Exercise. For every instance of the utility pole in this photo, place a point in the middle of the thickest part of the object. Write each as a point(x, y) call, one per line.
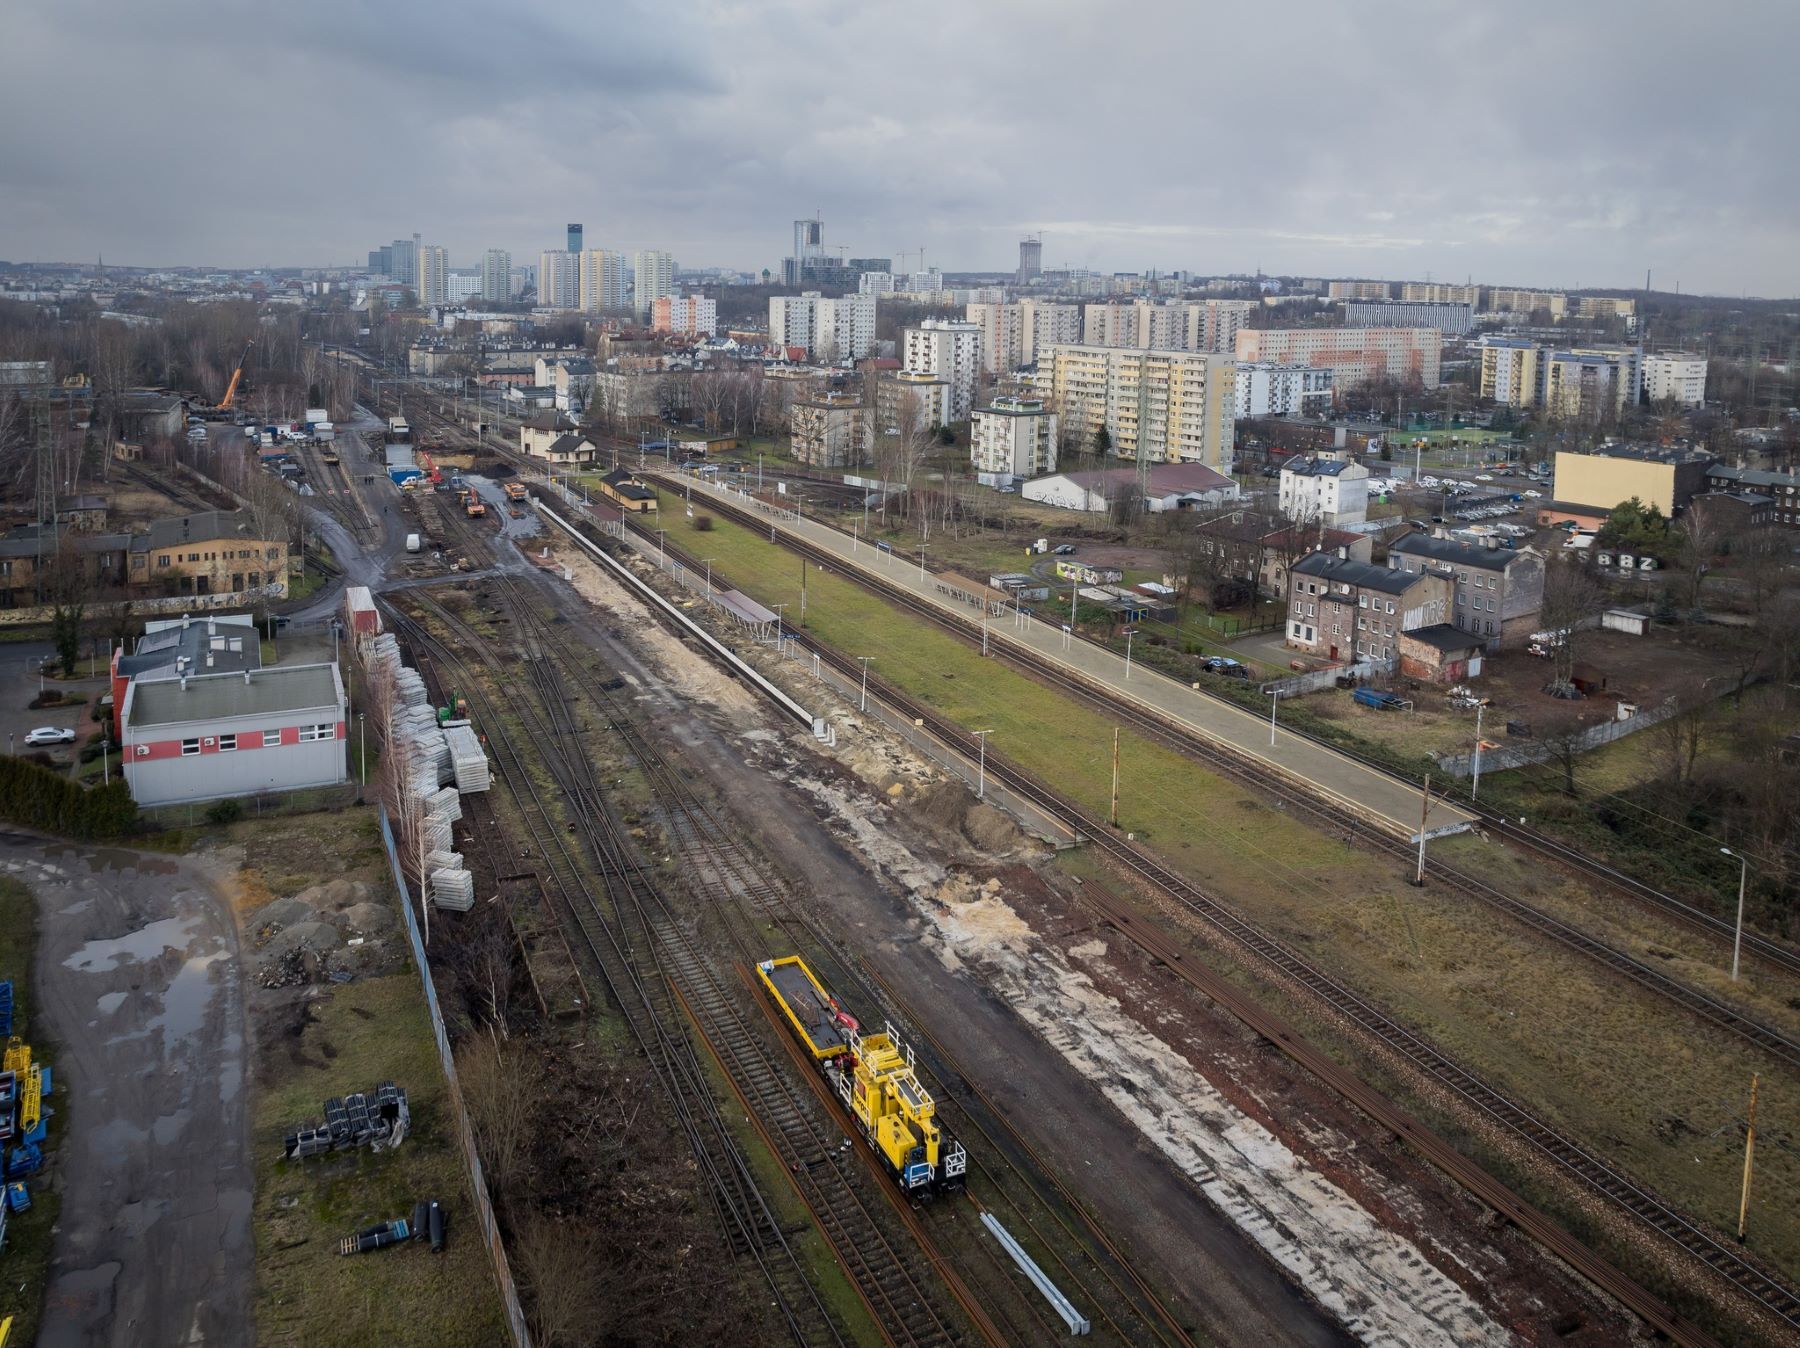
point(1115, 786)
point(981, 767)
point(709, 561)
point(1424, 812)
point(1737, 937)
point(1749, 1160)
point(1475, 787)
point(803, 592)
point(863, 703)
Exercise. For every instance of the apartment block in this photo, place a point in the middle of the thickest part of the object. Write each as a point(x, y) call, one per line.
point(1179, 404)
point(496, 275)
point(1043, 325)
point(685, 315)
point(1497, 593)
point(605, 280)
point(1213, 325)
point(1015, 437)
point(831, 430)
point(1354, 356)
point(1504, 301)
point(653, 279)
point(1360, 290)
point(1002, 335)
point(1437, 292)
point(1602, 306)
point(909, 398)
point(1590, 383)
point(1675, 376)
point(1511, 371)
point(1343, 609)
point(434, 274)
point(1266, 390)
point(791, 321)
point(559, 279)
point(844, 328)
point(947, 349)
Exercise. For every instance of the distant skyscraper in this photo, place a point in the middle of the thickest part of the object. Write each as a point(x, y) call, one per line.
point(655, 279)
point(434, 274)
point(1031, 259)
point(496, 274)
point(809, 237)
point(575, 237)
point(559, 279)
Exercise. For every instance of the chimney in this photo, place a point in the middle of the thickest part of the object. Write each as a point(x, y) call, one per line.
point(1343, 554)
point(184, 683)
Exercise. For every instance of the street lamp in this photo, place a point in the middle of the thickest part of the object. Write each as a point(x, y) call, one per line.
point(1130, 632)
point(778, 608)
point(1737, 939)
point(362, 729)
point(659, 547)
point(1475, 786)
point(709, 561)
point(921, 563)
point(981, 764)
point(863, 704)
point(1274, 701)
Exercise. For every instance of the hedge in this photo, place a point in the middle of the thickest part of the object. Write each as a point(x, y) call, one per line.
point(47, 800)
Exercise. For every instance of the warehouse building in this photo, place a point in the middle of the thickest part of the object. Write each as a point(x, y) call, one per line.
point(207, 736)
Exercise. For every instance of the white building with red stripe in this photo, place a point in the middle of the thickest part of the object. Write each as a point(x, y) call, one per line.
point(208, 736)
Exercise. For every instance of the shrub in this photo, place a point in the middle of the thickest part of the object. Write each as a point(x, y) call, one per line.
point(224, 812)
point(703, 524)
point(40, 797)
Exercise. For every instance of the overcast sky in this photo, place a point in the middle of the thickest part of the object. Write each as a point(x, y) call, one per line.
point(1537, 142)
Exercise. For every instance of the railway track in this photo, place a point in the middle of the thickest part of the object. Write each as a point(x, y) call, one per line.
point(1759, 1285)
point(1243, 769)
point(1772, 952)
point(664, 968)
point(747, 1222)
point(718, 867)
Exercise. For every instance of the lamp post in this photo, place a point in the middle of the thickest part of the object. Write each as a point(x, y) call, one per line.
point(863, 702)
point(921, 563)
point(981, 763)
point(1737, 937)
point(659, 547)
point(1130, 632)
point(709, 561)
point(1274, 701)
point(778, 608)
point(362, 730)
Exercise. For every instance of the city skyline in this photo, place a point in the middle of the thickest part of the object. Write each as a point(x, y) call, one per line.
point(1439, 141)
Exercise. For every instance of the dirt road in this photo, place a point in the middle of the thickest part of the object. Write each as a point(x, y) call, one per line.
point(136, 982)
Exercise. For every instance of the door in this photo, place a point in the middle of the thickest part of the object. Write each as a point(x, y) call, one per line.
point(1334, 654)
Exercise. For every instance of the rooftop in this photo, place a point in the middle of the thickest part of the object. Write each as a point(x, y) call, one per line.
point(1362, 575)
point(1446, 637)
point(1455, 554)
point(201, 528)
point(1166, 479)
point(210, 645)
point(223, 697)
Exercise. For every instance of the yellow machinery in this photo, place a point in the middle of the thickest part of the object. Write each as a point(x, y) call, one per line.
point(31, 1091)
point(237, 374)
point(874, 1075)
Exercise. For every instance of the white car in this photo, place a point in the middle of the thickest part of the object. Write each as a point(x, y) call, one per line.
point(197, 433)
point(49, 734)
point(1532, 495)
point(1484, 477)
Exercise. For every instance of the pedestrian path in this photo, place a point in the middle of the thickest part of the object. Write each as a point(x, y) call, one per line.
point(1367, 791)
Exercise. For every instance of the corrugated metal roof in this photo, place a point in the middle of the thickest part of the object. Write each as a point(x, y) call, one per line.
point(220, 697)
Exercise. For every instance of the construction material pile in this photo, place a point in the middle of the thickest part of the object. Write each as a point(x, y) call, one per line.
point(436, 764)
point(377, 1119)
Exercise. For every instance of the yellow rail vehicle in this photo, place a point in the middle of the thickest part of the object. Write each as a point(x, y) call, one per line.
point(875, 1076)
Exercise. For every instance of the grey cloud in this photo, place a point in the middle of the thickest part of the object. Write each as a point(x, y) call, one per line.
point(1535, 143)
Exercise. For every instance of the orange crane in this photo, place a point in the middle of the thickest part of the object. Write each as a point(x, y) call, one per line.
point(237, 374)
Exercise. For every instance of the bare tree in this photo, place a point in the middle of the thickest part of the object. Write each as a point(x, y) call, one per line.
point(1681, 738)
point(499, 1087)
point(1571, 597)
point(557, 1262)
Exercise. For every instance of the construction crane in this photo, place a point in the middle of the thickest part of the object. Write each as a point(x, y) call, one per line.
point(236, 375)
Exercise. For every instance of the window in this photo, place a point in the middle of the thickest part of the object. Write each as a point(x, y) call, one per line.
point(189, 748)
point(311, 733)
point(271, 738)
point(1362, 601)
point(163, 560)
point(1390, 606)
point(227, 743)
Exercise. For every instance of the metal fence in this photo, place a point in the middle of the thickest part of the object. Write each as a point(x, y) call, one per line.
point(465, 1134)
point(1542, 751)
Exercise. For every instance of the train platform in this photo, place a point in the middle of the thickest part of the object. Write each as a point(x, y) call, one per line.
point(1365, 791)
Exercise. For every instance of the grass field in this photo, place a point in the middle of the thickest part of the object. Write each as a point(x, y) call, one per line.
point(356, 1036)
point(1612, 1064)
point(30, 1236)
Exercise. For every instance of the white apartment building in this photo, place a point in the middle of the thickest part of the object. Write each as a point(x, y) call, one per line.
point(434, 274)
point(791, 320)
point(1353, 355)
point(559, 279)
point(1360, 290)
point(875, 283)
point(1181, 402)
point(462, 286)
point(947, 349)
point(1510, 370)
point(844, 328)
point(1015, 437)
point(654, 277)
point(1002, 335)
point(496, 274)
point(605, 282)
point(1043, 325)
point(1330, 492)
point(1213, 325)
point(1439, 292)
point(905, 399)
point(1267, 390)
point(1677, 376)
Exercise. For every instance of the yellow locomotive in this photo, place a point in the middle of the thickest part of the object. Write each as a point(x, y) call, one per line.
point(874, 1075)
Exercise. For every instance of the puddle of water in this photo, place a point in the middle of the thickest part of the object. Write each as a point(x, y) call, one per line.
point(111, 1002)
point(111, 1143)
point(137, 1218)
point(185, 1002)
point(171, 933)
point(168, 1127)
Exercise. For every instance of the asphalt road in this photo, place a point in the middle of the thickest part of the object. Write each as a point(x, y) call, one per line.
point(137, 986)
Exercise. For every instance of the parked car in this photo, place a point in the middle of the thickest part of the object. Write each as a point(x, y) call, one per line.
point(1484, 477)
point(49, 734)
point(1226, 667)
point(1063, 549)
